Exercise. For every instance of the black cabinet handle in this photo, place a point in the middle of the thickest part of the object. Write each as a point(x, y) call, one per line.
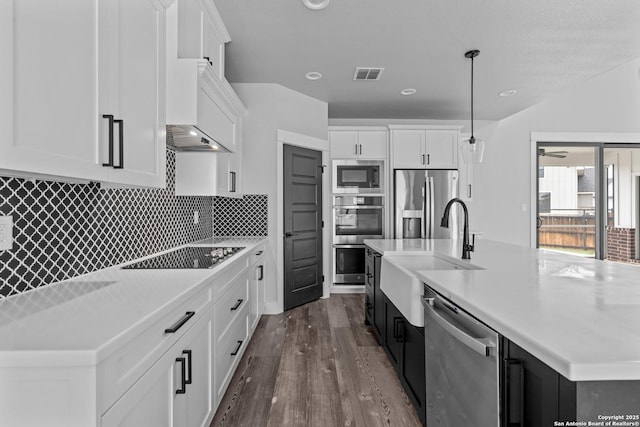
point(290, 234)
point(469, 190)
point(261, 275)
point(396, 320)
point(258, 253)
point(428, 159)
point(399, 329)
point(238, 304)
point(514, 393)
point(183, 386)
point(110, 118)
point(120, 123)
point(184, 319)
point(234, 352)
point(233, 182)
point(189, 366)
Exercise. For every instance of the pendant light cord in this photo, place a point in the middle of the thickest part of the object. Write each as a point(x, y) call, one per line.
point(473, 140)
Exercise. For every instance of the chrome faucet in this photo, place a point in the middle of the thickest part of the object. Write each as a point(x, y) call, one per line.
point(466, 247)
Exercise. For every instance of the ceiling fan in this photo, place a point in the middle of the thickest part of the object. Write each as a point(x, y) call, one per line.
point(558, 154)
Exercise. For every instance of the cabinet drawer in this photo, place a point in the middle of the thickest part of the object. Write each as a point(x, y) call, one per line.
point(224, 279)
point(122, 369)
point(230, 305)
point(257, 253)
point(229, 351)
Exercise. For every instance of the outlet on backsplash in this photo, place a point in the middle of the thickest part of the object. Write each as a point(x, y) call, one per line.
point(6, 232)
point(196, 217)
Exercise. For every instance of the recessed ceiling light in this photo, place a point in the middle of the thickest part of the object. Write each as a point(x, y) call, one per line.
point(407, 91)
point(509, 92)
point(313, 75)
point(316, 4)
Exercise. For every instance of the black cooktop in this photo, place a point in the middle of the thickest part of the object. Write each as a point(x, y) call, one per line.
point(188, 257)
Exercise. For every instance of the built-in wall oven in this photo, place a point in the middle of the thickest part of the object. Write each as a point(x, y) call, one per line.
point(355, 218)
point(358, 176)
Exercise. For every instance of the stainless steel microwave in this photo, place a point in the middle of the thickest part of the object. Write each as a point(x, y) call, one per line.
point(358, 176)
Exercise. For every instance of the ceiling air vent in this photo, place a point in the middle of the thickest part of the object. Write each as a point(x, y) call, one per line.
point(367, 73)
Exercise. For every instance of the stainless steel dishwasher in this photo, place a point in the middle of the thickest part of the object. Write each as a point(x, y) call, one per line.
point(462, 369)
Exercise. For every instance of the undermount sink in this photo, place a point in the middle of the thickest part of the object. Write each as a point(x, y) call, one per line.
point(400, 284)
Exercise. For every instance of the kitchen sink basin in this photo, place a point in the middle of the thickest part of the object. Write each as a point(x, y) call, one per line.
point(400, 284)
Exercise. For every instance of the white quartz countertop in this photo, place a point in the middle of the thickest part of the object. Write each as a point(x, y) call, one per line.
point(578, 315)
point(80, 321)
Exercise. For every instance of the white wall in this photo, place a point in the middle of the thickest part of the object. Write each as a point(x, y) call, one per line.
point(271, 107)
point(608, 103)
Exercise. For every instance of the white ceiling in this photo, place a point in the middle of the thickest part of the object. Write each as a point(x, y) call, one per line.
point(537, 47)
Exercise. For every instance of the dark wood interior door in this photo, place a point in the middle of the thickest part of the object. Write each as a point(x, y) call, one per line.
point(302, 225)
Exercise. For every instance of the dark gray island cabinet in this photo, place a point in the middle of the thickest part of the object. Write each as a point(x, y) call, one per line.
point(402, 342)
point(568, 343)
point(535, 395)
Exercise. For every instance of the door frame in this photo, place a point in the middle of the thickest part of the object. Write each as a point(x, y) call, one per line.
point(565, 138)
point(304, 141)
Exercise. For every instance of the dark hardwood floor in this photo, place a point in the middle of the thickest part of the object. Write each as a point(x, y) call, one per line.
point(316, 365)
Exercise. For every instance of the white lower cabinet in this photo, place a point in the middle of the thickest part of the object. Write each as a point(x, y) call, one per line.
point(173, 372)
point(256, 293)
point(176, 391)
point(236, 313)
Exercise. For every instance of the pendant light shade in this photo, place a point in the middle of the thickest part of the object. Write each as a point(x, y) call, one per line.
point(472, 148)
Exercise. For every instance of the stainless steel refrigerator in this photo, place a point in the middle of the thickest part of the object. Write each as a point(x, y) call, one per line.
point(420, 197)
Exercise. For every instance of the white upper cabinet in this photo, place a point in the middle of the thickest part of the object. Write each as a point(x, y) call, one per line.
point(197, 92)
point(88, 59)
point(132, 83)
point(201, 33)
point(208, 174)
point(358, 143)
point(424, 147)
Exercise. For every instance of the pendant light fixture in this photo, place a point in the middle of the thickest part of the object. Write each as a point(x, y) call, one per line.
point(472, 148)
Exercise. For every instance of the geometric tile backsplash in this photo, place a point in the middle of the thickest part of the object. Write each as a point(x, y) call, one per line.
point(240, 217)
point(63, 230)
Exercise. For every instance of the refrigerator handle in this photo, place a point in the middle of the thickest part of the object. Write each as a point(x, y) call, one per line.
point(424, 224)
point(431, 223)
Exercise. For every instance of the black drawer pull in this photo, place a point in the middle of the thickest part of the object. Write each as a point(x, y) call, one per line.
point(261, 275)
point(238, 304)
point(513, 394)
point(110, 117)
point(189, 366)
point(258, 253)
point(184, 319)
point(183, 386)
point(234, 352)
point(121, 143)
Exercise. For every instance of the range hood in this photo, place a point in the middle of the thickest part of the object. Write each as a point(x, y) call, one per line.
point(190, 138)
